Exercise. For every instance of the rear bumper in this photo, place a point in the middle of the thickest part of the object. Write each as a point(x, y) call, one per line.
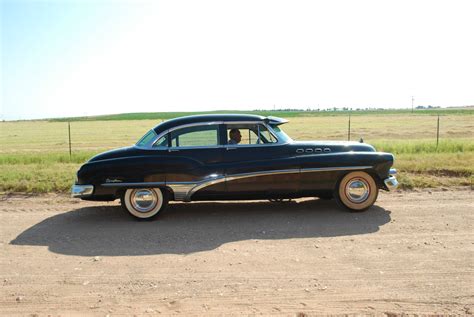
point(391, 182)
point(79, 191)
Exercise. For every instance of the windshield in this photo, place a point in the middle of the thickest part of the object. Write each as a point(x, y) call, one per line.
point(282, 136)
point(147, 138)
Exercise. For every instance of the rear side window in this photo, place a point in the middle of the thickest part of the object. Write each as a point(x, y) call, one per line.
point(147, 138)
point(198, 136)
point(162, 142)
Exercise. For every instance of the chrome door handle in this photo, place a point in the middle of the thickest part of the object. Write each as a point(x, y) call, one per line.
point(173, 150)
point(230, 148)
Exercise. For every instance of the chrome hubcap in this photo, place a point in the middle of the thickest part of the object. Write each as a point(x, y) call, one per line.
point(357, 190)
point(144, 200)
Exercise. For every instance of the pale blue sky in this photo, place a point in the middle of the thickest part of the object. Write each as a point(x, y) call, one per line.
point(73, 57)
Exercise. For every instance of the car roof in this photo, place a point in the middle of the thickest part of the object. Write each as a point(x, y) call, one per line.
point(215, 118)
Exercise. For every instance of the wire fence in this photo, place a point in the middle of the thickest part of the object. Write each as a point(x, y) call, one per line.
point(95, 136)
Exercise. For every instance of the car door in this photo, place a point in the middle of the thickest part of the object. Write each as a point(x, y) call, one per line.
point(258, 165)
point(194, 162)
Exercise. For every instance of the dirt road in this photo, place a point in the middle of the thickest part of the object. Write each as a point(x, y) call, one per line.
point(411, 253)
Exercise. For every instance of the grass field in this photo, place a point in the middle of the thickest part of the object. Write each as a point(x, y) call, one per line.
point(277, 113)
point(34, 155)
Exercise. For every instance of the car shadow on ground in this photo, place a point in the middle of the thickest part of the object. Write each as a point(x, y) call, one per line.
point(193, 227)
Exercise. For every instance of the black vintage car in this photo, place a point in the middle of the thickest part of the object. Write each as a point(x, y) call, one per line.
point(232, 157)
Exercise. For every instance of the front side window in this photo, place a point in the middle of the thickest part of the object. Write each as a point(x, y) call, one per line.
point(248, 134)
point(203, 135)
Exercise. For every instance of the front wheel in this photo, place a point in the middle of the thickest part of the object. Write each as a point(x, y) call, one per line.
point(144, 203)
point(357, 191)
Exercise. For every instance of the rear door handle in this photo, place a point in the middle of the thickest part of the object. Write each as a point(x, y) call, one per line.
point(230, 148)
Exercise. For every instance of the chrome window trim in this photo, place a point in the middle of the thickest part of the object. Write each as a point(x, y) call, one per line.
point(151, 144)
point(236, 146)
point(184, 190)
point(194, 147)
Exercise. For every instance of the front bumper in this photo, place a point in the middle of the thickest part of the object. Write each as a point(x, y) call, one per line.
point(391, 182)
point(78, 191)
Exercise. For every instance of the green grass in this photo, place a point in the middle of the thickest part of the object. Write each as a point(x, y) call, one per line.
point(37, 178)
point(34, 155)
point(422, 146)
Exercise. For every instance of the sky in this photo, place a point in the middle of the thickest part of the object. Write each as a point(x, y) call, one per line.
point(75, 58)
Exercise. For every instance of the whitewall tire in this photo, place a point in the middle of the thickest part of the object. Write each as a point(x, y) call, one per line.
point(357, 191)
point(144, 203)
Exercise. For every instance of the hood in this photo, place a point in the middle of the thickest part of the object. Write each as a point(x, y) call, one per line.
point(338, 146)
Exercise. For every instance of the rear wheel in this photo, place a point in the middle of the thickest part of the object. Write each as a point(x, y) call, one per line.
point(144, 203)
point(357, 191)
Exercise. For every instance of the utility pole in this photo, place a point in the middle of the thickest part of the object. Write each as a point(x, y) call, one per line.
point(412, 101)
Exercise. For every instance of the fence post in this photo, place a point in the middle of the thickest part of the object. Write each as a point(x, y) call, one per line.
point(349, 129)
point(437, 134)
point(69, 132)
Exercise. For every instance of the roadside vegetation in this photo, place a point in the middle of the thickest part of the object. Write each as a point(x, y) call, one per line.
point(34, 155)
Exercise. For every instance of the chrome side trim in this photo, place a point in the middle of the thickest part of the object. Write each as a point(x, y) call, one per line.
point(78, 191)
point(183, 191)
point(139, 184)
point(202, 185)
point(331, 169)
point(391, 183)
point(262, 173)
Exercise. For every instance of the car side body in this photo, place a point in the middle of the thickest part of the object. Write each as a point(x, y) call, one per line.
point(191, 159)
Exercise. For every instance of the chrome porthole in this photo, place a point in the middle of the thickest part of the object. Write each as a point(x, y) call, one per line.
point(143, 200)
point(357, 190)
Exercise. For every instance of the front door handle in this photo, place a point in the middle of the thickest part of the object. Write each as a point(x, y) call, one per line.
point(230, 148)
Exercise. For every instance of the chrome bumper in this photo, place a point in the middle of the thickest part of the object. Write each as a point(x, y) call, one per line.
point(391, 182)
point(78, 191)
